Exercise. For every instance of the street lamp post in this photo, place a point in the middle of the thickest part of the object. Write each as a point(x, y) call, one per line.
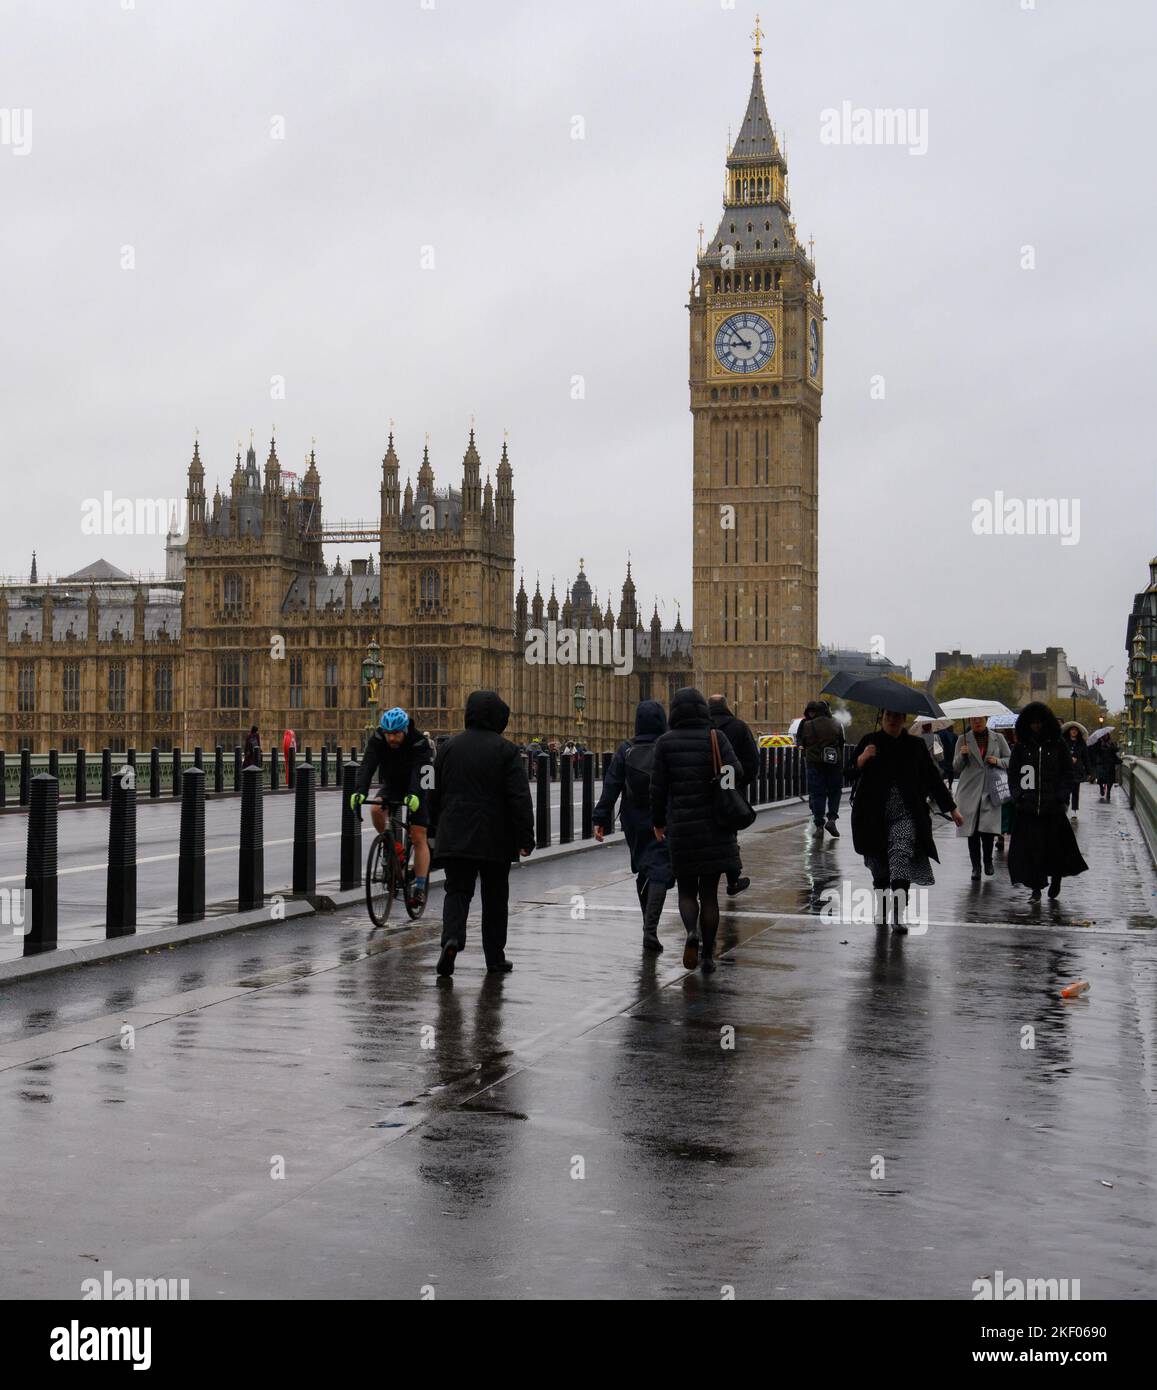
point(580, 703)
point(373, 672)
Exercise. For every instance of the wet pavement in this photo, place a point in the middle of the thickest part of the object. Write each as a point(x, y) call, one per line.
point(583, 1127)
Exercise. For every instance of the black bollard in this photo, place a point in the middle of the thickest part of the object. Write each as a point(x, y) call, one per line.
point(176, 772)
point(218, 769)
point(199, 758)
point(565, 799)
point(251, 854)
point(290, 767)
point(351, 829)
point(3, 787)
point(191, 858)
point(237, 784)
point(81, 794)
point(762, 783)
point(25, 775)
point(796, 771)
point(273, 770)
point(131, 760)
point(121, 890)
point(154, 773)
point(304, 832)
point(337, 769)
point(105, 774)
point(542, 837)
point(54, 764)
point(588, 774)
point(554, 764)
point(325, 767)
point(777, 778)
point(606, 764)
point(40, 868)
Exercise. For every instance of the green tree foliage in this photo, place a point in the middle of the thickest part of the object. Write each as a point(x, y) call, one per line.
point(981, 683)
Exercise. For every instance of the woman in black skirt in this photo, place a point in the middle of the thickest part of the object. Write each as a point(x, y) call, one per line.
point(893, 776)
point(1040, 775)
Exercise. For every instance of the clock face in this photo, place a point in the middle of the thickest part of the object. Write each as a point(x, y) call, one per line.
point(745, 343)
point(813, 348)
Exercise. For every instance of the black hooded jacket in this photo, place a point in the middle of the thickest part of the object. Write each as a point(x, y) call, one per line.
point(740, 738)
point(648, 855)
point(1040, 771)
point(481, 807)
point(682, 795)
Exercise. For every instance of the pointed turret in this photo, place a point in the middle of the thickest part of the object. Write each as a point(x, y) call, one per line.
point(504, 494)
point(426, 475)
point(471, 487)
point(195, 492)
point(272, 469)
point(488, 503)
point(408, 498)
point(628, 613)
point(567, 609)
point(311, 483)
point(656, 628)
point(536, 605)
point(581, 596)
point(32, 579)
point(390, 482)
point(520, 603)
point(552, 605)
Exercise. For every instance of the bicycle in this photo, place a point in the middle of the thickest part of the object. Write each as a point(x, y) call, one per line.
point(389, 868)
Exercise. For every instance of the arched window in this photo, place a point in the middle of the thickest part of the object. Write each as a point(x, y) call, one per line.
point(233, 591)
point(431, 589)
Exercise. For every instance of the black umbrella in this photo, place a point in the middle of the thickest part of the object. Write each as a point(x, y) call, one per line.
point(839, 683)
point(884, 693)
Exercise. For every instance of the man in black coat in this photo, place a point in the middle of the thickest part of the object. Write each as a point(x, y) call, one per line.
point(744, 747)
point(483, 818)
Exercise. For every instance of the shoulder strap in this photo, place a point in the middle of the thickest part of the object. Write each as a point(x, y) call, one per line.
point(716, 760)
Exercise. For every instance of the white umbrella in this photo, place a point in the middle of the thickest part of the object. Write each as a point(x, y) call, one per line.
point(921, 722)
point(968, 708)
point(1100, 733)
point(794, 726)
point(1002, 721)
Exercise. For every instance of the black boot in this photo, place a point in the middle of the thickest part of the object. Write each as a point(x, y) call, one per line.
point(1055, 887)
point(651, 941)
point(707, 954)
point(739, 886)
point(446, 959)
point(691, 951)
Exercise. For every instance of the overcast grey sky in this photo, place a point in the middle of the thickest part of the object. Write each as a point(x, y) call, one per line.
point(450, 127)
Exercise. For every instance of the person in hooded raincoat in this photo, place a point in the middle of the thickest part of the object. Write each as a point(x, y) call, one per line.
point(484, 819)
point(683, 813)
point(1043, 848)
point(627, 776)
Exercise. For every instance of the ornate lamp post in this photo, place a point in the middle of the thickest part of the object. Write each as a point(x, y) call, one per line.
point(373, 672)
point(580, 703)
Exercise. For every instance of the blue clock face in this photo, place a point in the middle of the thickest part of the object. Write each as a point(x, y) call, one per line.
point(745, 343)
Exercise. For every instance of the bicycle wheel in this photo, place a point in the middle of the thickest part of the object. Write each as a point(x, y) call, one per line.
point(381, 880)
point(414, 909)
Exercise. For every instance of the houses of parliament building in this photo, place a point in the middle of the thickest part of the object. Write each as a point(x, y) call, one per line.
point(249, 624)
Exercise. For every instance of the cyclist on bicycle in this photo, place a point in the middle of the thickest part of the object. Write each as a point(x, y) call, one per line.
point(398, 752)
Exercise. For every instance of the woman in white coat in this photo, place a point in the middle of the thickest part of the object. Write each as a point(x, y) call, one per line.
point(980, 750)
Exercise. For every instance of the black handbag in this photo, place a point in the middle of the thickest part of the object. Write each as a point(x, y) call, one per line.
point(732, 810)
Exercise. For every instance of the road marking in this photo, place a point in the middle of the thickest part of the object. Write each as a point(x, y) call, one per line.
point(160, 858)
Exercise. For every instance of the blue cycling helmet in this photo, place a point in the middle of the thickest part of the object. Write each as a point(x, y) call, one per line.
point(395, 720)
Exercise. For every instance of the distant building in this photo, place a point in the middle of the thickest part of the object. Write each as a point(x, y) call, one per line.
point(1141, 668)
point(1043, 675)
point(864, 664)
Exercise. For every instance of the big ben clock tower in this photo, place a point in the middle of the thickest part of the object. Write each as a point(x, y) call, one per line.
point(757, 328)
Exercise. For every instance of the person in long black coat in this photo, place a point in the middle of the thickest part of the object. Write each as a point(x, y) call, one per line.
point(483, 818)
point(683, 813)
point(1079, 753)
point(747, 751)
point(893, 777)
point(1105, 759)
point(1040, 775)
point(650, 858)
